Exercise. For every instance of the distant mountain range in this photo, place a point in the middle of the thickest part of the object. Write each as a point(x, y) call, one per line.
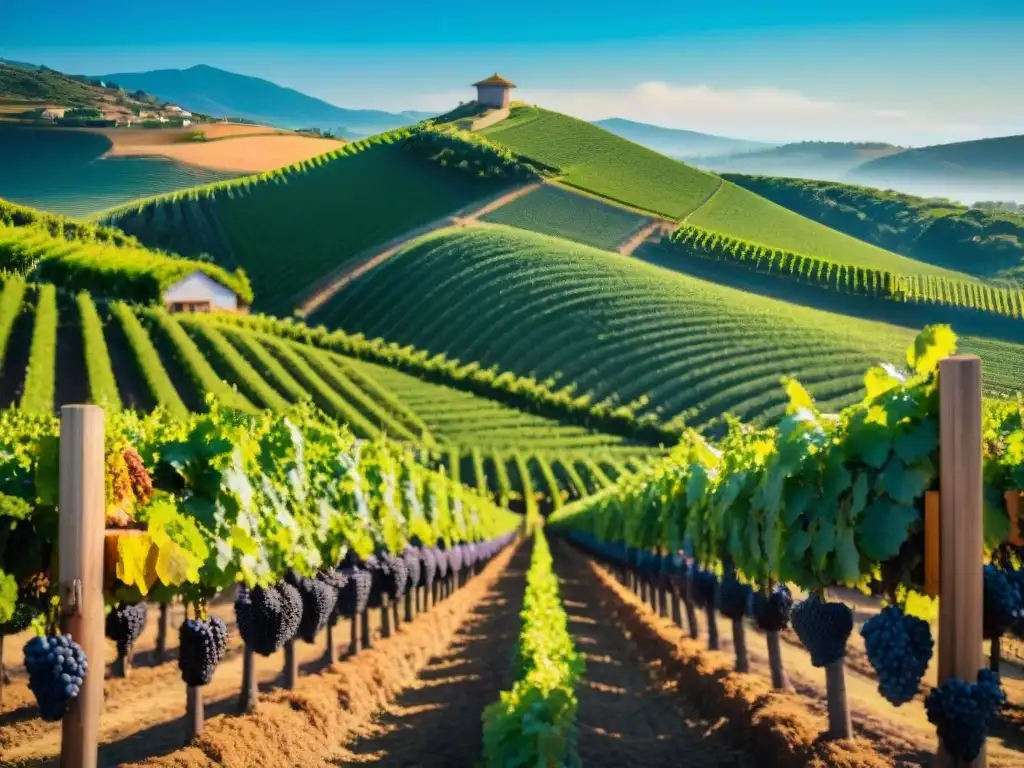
point(217, 92)
point(676, 142)
point(827, 160)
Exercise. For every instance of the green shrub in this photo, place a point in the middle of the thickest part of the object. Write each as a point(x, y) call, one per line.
point(102, 384)
point(42, 360)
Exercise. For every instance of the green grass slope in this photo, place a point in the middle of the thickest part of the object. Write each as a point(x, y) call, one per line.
point(561, 212)
point(618, 328)
point(748, 216)
point(57, 349)
point(984, 243)
point(290, 228)
point(61, 170)
point(601, 162)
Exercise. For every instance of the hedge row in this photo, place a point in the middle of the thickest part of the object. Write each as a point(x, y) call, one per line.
point(469, 152)
point(847, 278)
point(534, 723)
point(14, 215)
point(520, 392)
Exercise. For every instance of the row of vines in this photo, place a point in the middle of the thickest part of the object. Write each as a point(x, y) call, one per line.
point(848, 278)
point(824, 500)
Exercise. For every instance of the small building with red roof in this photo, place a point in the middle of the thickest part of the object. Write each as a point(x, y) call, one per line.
point(494, 92)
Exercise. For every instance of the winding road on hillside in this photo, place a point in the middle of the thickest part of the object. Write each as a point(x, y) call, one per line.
point(326, 289)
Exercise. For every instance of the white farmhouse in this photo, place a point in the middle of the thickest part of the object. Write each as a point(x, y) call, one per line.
point(198, 292)
point(179, 111)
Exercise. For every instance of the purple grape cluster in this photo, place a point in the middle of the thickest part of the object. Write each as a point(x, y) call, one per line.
point(201, 645)
point(56, 669)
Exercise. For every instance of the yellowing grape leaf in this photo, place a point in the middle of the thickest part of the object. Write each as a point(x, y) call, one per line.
point(132, 559)
point(175, 565)
point(931, 345)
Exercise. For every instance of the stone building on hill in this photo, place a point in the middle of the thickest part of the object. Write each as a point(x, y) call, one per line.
point(494, 92)
point(198, 292)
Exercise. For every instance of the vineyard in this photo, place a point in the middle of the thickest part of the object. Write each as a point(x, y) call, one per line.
point(56, 351)
point(291, 227)
point(559, 212)
point(493, 478)
point(746, 216)
point(623, 332)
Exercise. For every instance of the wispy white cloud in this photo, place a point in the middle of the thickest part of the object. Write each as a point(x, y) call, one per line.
point(757, 112)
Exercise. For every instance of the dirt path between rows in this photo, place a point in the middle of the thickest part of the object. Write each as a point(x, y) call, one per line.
point(641, 237)
point(357, 267)
point(435, 723)
point(627, 716)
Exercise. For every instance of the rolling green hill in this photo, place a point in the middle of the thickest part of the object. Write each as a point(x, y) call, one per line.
point(991, 164)
point(618, 328)
point(811, 159)
point(57, 349)
point(290, 228)
point(601, 162)
point(63, 171)
point(553, 211)
point(748, 216)
point(985, 243)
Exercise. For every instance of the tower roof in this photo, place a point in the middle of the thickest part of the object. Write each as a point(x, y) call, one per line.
point(495, 79)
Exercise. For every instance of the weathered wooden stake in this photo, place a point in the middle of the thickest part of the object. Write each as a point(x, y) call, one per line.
point(194, 711)
point(691, 608)
point(291, 665)
point(353, 644)
point(839, 724)
point(385, 617)
point(779, 678)
point(662, 601)
point(123, 664)
point(739, 643)
point(709, 612)
point(409, 595)
point(331, 656)
point(960, 588)
point(995, 656)
point(367, 638)
point(250, 692)
point(162, 630)
point(397, 616)
point(677, 613)
point(80, 544)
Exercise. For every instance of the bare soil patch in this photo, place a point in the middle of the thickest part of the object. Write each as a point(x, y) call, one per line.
point(628, 715)
point(244, 154)
point(435, 722)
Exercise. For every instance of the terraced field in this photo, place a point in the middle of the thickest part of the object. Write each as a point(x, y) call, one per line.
point(581, 218)
point(620, 329)
point(56, 350)
point(748, 216)
point(288, 229)
point(601, 162)
point(61, 171)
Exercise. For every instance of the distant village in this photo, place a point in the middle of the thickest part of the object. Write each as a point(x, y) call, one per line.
point(117, 116)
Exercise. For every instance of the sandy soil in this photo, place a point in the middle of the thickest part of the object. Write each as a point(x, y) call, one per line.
point(627, 716)
point(902, 735)
point(143, 714)
point(244, 154)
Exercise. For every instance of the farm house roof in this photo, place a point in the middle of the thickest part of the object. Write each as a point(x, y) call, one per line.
point(495, 79)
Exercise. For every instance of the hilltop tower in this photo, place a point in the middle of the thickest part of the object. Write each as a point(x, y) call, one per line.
point(494, 92)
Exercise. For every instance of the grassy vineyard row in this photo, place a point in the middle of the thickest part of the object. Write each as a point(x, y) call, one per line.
point(593, 159)
point(59, 349)
point(621, 331)
point(289, 228)
point(584, 219)
point(100, 266)
point(845, 278)
point(747, 216)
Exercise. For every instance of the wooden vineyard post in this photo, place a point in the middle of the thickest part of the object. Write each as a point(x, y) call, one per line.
point(80, 544)
point(691, 609)
point(367, 638)
point(250, 691)
point(677, 614)
point(780, 681)
point(662, 599)
point(396, 615)
point(410, 594)
point(385, 617)
point(739, 641)
point(839, 724)
point(194, 711)
point(291, 665)
point(162, 630)
point(331, 654)
point(353, 643)
point(960, 586)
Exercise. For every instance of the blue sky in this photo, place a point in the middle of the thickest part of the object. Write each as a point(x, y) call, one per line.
point(908, 71)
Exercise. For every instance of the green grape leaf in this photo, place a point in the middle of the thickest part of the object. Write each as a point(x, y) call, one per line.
point(47, 471)
point(14, 508)
point(8, 596)
point(847, 565)
point(796, 500)
point(797, 543)
point(917, 442)
point(884, 527)
point(823, 540)
point(904, 483)
point(858, 496)
point(931, 345)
